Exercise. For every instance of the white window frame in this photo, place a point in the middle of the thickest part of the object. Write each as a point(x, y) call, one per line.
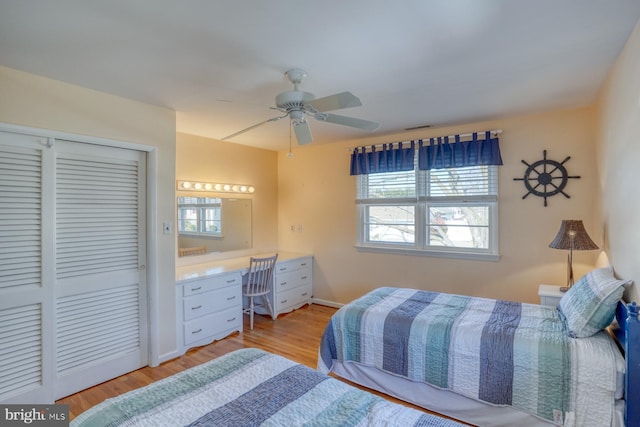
point(421, 203)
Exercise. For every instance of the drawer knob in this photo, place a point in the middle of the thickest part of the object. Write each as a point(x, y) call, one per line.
point(231, 281)
point(304, 264)
point(304, 294)
point(231, 320)
point(197, 332)
point(196, 289)
point(231, 298)
point(303, 277)
point(196, 307)
point(283, 283)
point(282, 302)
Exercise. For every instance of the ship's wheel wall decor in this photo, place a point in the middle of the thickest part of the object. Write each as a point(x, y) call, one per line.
point(546, 178)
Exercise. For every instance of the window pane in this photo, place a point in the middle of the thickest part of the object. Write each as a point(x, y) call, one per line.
point(211, 222)
point(458, 226)
point(388, 185)
point(187, 219)
point(393, 224)
point(460, 182)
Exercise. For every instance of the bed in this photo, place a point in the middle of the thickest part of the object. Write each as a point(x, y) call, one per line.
point(492, 362)
point(251, 387)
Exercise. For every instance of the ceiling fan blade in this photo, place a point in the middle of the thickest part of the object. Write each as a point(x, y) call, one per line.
point(303, 131)
point(347, 121)
point(335, 102)
point(273, 119)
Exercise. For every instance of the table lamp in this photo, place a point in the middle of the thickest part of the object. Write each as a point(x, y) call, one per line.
point(572, 235)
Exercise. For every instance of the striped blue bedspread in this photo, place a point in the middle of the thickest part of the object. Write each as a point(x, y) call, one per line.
point(250, 387)
point(498, 352)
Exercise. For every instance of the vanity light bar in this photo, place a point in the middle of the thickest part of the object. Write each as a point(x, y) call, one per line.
point(212, 186)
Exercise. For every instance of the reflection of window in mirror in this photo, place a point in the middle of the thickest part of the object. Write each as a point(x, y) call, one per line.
point(217, 224)
point(200, 216)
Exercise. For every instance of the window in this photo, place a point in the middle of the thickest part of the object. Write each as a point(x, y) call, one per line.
point(441, 212)
point(200, 216)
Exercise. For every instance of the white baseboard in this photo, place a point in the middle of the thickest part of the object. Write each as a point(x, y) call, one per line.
point(168, 356)
point(327, 303)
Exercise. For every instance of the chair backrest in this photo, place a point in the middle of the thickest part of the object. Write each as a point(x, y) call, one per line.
point(200, 250)
point(260, 274)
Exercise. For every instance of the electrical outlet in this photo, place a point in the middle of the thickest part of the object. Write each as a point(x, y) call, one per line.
point(166, 228)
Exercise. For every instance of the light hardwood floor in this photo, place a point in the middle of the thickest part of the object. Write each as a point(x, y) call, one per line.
point(294, 335)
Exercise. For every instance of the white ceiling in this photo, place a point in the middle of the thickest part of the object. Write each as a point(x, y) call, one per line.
point(220, 63)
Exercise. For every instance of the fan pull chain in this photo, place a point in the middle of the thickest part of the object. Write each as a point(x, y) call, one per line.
point(290, 154)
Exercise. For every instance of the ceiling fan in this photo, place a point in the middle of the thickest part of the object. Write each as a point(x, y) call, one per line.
point(297, 104)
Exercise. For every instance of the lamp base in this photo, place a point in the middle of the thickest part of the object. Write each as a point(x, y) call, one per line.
point(570, 280)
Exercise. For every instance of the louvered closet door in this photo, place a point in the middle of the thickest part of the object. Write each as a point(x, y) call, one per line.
point(100, 280)
point(25, 345)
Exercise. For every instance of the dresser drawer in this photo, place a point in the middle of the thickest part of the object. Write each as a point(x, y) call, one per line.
point(209, 302)
point(293, 297)
point(212, 325)
point(292, 279)
point(212, 283)
point(294, 264)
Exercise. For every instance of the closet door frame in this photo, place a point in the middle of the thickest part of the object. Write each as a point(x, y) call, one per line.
point(150, 243)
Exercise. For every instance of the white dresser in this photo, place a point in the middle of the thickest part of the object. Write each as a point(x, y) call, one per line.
point(209, 295)
point(292, 285)
point(209, 308)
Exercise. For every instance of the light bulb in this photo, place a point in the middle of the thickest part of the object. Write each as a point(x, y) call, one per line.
point(198, 186)
point(208, 186)
point(186, 184)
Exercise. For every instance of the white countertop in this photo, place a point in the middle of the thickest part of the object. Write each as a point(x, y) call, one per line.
point(211, 268)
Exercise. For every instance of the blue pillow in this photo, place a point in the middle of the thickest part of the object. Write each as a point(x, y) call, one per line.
point(590, 304)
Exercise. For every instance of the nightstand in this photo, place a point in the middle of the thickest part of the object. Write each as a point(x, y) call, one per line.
point(550, 295)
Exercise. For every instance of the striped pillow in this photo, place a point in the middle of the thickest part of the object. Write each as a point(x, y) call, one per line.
point(590, 304)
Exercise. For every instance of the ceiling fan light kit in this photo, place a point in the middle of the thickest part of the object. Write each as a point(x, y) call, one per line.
point(297, 104)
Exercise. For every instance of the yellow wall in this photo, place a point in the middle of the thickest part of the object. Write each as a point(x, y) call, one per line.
point(33, 101)
point(618, 153)
point(209, 160)
point(316, 192)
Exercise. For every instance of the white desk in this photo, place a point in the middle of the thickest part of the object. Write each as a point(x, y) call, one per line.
point(209, 295)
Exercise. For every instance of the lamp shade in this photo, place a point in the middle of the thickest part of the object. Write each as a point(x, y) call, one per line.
point(572, 235)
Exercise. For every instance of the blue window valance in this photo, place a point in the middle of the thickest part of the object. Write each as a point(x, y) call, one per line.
point(390, 159)
point(441, 154)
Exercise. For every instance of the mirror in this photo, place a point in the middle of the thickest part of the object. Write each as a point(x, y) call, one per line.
point(213, 224)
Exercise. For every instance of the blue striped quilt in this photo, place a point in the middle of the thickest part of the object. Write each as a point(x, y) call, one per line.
point(250, 387)
point(498, 352)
